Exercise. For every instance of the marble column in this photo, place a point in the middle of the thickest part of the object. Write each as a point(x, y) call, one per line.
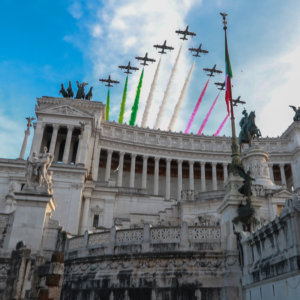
point(120, 172)
point(271, 172)
point(79, 148)
point(85, 215)
point(84, 145)
point(282, 173)
point(108, 165)
point(144, 176)
point(38, 136)
point(23, 149)
point(191, 171)
point(53, 139)
point(132, 170)
point(168, 178)
point(225, 172)
point(67, 145)
point(96, 159)
point(203, 179)
point(214, 176)
point(179, 176)
point(156, 175)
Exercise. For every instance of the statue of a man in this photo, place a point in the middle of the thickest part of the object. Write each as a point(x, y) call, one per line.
point(244, 121)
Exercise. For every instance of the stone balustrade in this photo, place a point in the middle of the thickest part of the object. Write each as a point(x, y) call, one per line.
point(147, 239)
point(274, 249)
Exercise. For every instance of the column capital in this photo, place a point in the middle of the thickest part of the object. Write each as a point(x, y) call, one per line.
point(133, 155)
point(202, 163)
point(179, 161)
point(145, 157)
point(270, 164)
point(168, 160)
point(225, 164)
point(214, 164)
point(156, 158)
point(191, 162)
point(55, 126)
point(109, 151)
point(121, 153)
point(282, 165)
point(70, 127)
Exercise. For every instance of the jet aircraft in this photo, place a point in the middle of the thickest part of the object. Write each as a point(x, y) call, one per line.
point(198, 50)
point(109, 81)
point(221, 85)
point(212, 71)
point(163, 47)
point(128, 68)
point(185, 33)
point(238, 101)
point(145, 59)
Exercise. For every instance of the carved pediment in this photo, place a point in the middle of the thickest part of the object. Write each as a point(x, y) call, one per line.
point(65, 110)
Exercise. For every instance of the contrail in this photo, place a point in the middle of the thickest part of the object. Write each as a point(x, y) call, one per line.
point(196, 108)
point(180, 100)
point(208, 115)
point(164, 102)
point(222, 125)
point(150, 96)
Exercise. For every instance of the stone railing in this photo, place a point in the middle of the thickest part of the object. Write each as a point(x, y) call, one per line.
point(274, 249)
point(147, 239)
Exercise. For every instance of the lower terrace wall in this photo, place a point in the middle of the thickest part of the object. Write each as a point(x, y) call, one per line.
point(184, 263)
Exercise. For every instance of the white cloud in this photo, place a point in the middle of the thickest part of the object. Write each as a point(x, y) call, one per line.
point(75, 9)
point(131, 28)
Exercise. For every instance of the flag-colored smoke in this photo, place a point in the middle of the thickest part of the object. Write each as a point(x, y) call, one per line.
point(208, 115)
point(150, 96)
point(135, 106)
point(167, 91)
point(180, 100)
point(122, 109)
point(222, 124)
point(107, 106)
point(196, 108)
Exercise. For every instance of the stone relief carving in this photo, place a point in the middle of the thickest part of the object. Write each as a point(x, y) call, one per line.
point(37, 175)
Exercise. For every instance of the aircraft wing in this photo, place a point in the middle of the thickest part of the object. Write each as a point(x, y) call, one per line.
point(115, 81)
point(139, 58)
point(169, 48)
point(191, 33)
point(204, 51)
point(208, 70)
point(180, 31)
point(218, 71)
point(151, 59)
point(134, 68)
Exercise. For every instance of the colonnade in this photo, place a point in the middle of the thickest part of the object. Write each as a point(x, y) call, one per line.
point(156, 177)
point(82, 141)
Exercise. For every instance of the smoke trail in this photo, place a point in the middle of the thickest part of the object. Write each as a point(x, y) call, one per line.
point(208, 115)
point(150, 96)
point(180, 100)
point(196, 108)
point(122, 109)
point(222, 125)
point(166, 95)
point(107, 106)
point(135, 106)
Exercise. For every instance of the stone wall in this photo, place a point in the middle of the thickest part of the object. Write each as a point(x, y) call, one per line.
point(271, 257)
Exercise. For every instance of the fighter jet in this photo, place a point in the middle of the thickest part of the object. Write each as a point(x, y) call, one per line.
point(128, 68)
point(145, 59)
point(238, 101)
point(185, 33)
point(109, 81)
point(212, 71)
point(163, 47)
point(221, 85)
point(198, 50)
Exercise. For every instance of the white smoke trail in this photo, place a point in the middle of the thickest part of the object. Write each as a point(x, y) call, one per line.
point(180, 100)
point(164, 102)
point(150, 96)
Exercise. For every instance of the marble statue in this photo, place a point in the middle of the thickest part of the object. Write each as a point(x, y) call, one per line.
point(297, 113)
point(37, 175)
point(70, 90)
point(63, 92)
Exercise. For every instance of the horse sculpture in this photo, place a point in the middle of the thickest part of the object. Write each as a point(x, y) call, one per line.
point(249, 129)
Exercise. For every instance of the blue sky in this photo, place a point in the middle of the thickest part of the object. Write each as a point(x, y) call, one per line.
point(45, 43)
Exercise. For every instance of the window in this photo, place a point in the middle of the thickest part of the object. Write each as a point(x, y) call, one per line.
point(95, 220)
point(279, 208)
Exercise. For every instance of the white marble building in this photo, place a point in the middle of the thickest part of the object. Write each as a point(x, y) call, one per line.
point(107, 173)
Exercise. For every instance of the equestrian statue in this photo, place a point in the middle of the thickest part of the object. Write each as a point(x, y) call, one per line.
point(249, 129)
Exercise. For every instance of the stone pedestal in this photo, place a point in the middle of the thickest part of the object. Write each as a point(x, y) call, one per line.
point(32, 208)
point(256, 159)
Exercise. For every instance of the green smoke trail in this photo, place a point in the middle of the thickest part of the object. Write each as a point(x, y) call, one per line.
point(107, 106)
point(122, 109)
point(135, 106)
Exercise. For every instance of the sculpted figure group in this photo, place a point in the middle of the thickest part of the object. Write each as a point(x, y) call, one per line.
point(37, 175)
point(80, 91)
